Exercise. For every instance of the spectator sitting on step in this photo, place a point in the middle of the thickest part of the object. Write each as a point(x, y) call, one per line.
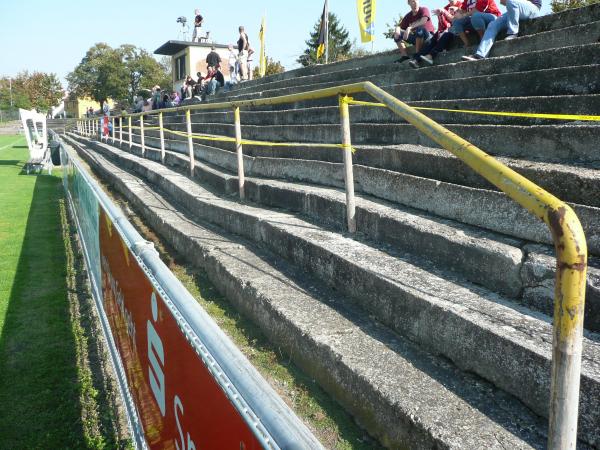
point(415, 28)
point(188, 87)
point(156, 97)
point(516, 10)
point(210, 82)
point(442, 38)
point(213, 59)
point(166, 101)
point(175, 98)
point(474, 15)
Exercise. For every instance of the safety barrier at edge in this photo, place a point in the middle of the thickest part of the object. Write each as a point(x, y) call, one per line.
point(276, 425)
point(566, 230)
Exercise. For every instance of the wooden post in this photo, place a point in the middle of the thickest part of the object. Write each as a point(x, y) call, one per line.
point(348, 170)
point(188, 119)
point(142, 139)
point(162, 137)
point(129, 126)
point(113, 129)
point(239, 150)
point(121, 131)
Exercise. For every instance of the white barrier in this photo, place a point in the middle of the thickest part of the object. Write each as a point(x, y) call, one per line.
point(36, 133)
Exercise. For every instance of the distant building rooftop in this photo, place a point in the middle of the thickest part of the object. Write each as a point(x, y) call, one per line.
point(169, 48)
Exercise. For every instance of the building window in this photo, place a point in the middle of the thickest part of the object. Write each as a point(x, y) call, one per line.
point(180, 71)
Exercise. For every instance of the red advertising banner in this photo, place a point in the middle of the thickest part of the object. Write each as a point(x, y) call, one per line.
point(179, 403)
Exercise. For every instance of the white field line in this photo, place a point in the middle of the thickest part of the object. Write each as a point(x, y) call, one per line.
point(11, 144)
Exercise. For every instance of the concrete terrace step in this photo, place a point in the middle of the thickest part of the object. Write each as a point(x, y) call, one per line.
point(469, 325)
point(503, 215)
point(400, 394)
point(567, 104)
point(524, 272)
point(550, 143)
point(472, 254)
point(579, 18)
point(542, 82)
point(447, 67)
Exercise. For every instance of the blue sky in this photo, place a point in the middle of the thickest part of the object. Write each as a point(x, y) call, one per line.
point(53, 36)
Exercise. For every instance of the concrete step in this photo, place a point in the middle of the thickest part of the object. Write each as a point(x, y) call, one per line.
point(448, 66)
point(578, 80)
point(471, 326)
point(580, 21)
point(433, 196)
point(523, 272)
point(549, 143)
point(401, 395)
point(566, 104)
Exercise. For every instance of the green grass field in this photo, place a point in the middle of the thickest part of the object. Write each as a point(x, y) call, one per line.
point(45, 389)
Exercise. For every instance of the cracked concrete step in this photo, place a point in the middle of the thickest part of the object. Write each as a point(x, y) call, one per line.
point(536, 288)
point(582, 79)
point(446, 243)
point(456, 202)
point(579, 17)
point(473, 327)
point(566, 104)
point(401, 395)
point(445, 68)
point(551, 143)
point(572, 183)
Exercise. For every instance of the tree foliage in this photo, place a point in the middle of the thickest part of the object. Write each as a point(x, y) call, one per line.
point(117, 73)
point(561, 5)
point(37, 90)
point(340, 47)
point(273, 67)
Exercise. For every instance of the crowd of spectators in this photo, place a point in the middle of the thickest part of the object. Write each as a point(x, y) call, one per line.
point(459, 18)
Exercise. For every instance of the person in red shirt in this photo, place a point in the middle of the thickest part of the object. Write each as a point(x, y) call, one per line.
point(474, 15)
point(442, 38)
point(415, 28)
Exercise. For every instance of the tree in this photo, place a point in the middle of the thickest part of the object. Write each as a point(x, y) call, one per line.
point(561, 5)
point(339, 44)
point(119, 73)
point(273, 67)
point(38, 90)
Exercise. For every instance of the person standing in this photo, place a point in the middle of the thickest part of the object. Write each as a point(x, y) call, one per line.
point(233, 65)
point(213, 59)
point(198, 19)
point(243, 46)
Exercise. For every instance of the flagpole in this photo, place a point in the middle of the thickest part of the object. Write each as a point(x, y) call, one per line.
point(326, 32)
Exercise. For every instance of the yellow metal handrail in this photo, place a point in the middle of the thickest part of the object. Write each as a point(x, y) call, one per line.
point(566, 230)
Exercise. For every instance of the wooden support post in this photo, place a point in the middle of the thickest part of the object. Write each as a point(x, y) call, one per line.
point(162, 137)
point(348, 170)
point(239, 151)
point(188, 119)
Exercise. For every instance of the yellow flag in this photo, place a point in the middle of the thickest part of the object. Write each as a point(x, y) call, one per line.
point(366, 19)
point(262, 58)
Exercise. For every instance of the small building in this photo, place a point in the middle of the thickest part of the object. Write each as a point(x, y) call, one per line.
point(189, 58)
point(76, 107)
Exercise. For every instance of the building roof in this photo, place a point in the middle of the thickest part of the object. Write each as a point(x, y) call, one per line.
point(169, 48)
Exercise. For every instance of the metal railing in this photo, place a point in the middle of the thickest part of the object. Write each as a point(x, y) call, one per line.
point(566, 230)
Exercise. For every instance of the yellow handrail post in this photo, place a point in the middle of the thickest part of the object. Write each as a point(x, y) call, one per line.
point(239, 151)
point(120, 131)
point(188, 119)
point(571, 264)
point(129, 127)
point(569, 303)
point(162, 137)
point(142, 137)
point(348, 171)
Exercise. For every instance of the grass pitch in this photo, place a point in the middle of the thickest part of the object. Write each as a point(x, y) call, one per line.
point(47, 393)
